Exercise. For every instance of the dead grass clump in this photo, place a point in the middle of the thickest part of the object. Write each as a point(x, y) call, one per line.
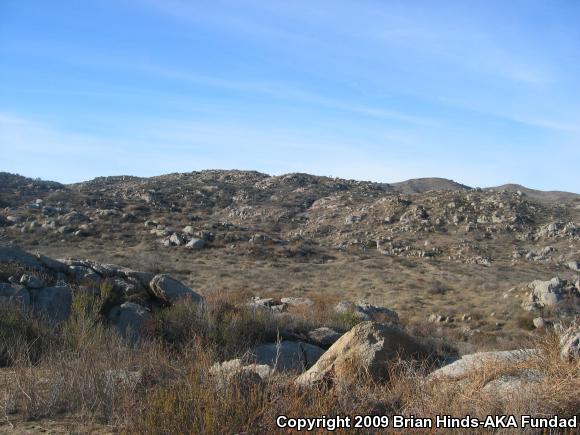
point(542, 384)
point(525, 321)
point(22, 338)
point(89, 370)
point(197, 405)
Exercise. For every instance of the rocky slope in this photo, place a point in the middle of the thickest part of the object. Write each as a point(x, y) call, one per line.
point(432, 244)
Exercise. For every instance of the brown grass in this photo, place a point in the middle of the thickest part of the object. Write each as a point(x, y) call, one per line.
point(162, 384)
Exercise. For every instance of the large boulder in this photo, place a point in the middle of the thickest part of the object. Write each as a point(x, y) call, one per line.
point(370, 346)
point(170, 290)
point(129, 319)
point(293, 356)
point(548, 294)
point(52, 304)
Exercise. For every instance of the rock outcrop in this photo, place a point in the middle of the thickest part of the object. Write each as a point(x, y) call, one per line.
point(45, 286)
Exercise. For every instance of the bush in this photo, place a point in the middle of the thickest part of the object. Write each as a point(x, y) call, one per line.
point(22, 338)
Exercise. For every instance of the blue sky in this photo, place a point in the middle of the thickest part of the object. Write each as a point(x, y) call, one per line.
point(483, 92)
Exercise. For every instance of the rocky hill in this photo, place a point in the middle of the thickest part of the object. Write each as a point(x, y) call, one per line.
point(430, 243)
point(216, 301)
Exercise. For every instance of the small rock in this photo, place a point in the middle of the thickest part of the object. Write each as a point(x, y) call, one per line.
point(176, 239)
point(539, 323)
point(294, 302)
point(364, 311)
point(195, 244)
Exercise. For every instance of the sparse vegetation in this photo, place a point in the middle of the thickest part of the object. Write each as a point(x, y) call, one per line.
point(454, 264)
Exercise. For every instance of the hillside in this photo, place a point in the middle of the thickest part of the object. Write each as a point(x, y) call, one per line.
point(162, 293)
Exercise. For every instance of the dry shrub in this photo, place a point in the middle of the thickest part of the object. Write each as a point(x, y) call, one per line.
point(163, 384)
point(197, 404)
point(547, 386)
point(22, 338)
point(86, 369)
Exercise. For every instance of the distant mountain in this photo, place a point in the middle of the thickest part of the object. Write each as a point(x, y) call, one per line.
point(421, 185)
point(322, 185)
point(538, 195)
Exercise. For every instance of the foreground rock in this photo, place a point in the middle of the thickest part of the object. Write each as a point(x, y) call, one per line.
point(468, 364)
point(294, 356)
point(500, 374)
point(369, 346)
point(14, 295)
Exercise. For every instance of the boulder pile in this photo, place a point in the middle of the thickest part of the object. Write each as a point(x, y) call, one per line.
point(46, 287)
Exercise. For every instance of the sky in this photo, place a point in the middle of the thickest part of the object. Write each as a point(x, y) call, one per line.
point(481, 92)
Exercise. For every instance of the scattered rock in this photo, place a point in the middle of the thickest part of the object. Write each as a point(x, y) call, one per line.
point(269, 304)
point(176, 239)
point(296, 302)
point(195, 244)
point(539, 323)
point(364, 311)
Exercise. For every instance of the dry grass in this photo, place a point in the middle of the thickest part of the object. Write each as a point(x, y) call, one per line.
point(162, 384)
